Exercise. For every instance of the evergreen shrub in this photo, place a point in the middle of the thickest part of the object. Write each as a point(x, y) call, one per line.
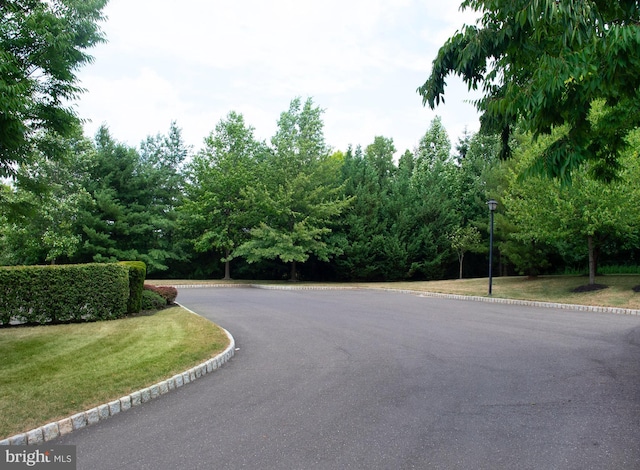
point(137, 275)
point(152, 300)
point(63, 293)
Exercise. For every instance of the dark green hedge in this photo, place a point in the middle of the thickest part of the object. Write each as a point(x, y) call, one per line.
point(63, 293)
point(137, 275)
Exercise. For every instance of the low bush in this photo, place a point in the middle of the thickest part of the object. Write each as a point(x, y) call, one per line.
point(169, 293)
point(152, 301)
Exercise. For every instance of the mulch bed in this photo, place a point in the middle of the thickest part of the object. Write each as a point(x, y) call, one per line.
point(590, 288)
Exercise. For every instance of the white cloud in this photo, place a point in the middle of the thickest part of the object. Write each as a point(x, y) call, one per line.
point(194, 61)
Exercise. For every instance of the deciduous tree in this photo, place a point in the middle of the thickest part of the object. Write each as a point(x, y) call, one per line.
point(42, 45)
point(547, 62)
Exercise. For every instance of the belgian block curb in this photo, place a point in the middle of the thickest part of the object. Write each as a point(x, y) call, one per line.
point(65, 426)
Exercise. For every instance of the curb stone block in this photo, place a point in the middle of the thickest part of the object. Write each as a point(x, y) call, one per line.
point(103, 411)
point(164, 387)
point(155, 391)
point(125, 403)
point(5, 442)
point(145, 395)
point(65, 426)
point(171, 383)
point(114, 407)
point(136, 399)
point(50, 431)
point(18, 440)
point(192, 375)
point(179, 380)
point(35, 436)
point(93, 416)
point(186, 378)
point(79, 421)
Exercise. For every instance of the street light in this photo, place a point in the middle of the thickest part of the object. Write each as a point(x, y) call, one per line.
point(492, 203)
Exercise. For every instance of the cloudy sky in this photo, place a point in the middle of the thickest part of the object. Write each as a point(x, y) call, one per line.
point(193, 61)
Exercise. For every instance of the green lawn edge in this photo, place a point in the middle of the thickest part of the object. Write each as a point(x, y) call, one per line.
point(51, 372)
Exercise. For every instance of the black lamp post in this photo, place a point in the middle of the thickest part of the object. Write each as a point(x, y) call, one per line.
point(492, 207)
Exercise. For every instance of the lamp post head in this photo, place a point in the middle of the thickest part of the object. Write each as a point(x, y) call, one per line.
point(492, 203)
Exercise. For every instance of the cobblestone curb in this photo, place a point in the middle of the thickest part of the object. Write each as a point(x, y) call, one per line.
point(86, 418)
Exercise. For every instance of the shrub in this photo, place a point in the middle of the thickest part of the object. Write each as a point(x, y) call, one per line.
point(169, 293)
point(63, 293)
point(152, 300)
point(137, 275)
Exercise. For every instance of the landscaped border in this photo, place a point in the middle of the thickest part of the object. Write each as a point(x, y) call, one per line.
point(83, 419)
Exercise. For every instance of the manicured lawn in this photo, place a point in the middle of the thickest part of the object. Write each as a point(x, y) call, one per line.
point(619, 292)
point(51, 372)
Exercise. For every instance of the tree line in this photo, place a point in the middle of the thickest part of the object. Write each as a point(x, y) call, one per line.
point(295, 208)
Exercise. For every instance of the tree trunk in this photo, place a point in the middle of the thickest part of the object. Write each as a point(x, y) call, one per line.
point(294, 272)
point(592, 261)
point(460, 259)
point(227, 266)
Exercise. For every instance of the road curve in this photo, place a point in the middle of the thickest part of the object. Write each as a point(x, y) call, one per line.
point(377, 380)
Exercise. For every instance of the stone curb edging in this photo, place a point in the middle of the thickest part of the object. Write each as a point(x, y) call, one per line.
point(94, 415)
point(497, 300)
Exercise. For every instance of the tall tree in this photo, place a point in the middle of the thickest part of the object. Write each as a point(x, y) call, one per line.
point(587, 215)
point(131, 215)
point(547, 62)
point(374, 250)
point(41, 207)
point(215, 212)
point(42, 45)
point(433, 208)
point(300, 196)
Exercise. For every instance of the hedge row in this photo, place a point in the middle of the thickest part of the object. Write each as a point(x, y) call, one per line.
point(66, 293)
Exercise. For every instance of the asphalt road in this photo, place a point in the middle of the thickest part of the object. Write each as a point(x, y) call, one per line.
point(378, 380)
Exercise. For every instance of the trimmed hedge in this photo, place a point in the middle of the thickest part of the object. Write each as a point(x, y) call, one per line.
point(63, 293)
point(137, 275)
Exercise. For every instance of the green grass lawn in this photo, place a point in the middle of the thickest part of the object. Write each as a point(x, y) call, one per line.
point(51, 372)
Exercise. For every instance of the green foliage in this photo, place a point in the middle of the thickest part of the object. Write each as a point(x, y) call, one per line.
point(299, 196)
point(41, 208)
point(215, 214)
point(464, 239)
point(168, 293)
point(42, 44)
point(53, 294)
point(132, 211)
point(152, 300)
point(137, 275)
point(588, 216)
point(547, 62)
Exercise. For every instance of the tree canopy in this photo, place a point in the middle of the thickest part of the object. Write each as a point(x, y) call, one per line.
point(546, 62)
point(42, 45)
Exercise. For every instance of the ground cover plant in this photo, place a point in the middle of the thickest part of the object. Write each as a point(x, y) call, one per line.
point(51, 372)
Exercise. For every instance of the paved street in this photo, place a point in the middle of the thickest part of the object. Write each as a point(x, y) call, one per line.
point(377, 380)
